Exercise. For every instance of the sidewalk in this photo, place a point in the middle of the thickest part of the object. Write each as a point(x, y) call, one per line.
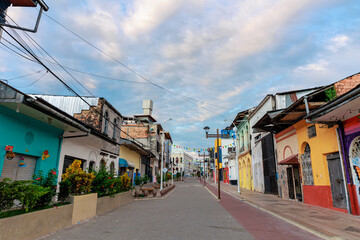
point(321, 221)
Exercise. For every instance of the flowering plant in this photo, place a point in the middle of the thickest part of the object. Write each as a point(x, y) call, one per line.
point(80, 181)
point(47, 181)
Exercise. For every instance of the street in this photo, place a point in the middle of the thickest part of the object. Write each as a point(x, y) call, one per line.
point(189, 212)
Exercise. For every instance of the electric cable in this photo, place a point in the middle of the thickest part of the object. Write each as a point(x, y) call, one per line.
point(188, 99)
point(38, 79)
point(67, 86)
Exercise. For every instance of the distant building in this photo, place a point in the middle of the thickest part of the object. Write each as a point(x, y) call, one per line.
point(182, 161)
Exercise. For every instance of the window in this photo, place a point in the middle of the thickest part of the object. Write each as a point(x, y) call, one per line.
point(102, 163)
point(106, 123)
point(91, 166)
point(312, 131)
point(257, 137)
point(112, 168)
point(115, 128)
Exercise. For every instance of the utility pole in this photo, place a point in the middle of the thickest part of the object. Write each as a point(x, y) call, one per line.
point(218, 158)
point(204, 171)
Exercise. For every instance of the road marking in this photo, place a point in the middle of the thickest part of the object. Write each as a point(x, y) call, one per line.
point(216, 198)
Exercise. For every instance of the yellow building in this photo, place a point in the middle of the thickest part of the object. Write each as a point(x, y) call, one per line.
point(243, 148)
point(132, 159)
point(318, 146)
point(245, 171)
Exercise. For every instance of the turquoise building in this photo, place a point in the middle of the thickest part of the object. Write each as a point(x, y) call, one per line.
point(31, 133)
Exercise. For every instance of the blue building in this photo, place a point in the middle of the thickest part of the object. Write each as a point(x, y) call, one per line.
point(31, 133)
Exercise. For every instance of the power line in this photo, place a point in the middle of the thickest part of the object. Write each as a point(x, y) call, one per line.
point(34, 81)
point(188, 99)
point(65, 84)
point(27, 75)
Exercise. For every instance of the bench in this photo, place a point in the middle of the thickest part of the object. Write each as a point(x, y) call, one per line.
point(147, 190)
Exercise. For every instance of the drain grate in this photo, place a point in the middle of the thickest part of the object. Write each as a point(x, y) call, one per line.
point(352, 229)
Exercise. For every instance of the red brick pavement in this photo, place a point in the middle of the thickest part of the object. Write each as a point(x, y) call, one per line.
point(261, 225)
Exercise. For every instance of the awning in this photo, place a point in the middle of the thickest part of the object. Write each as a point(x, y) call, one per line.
point(124, 163)
point(292, 160)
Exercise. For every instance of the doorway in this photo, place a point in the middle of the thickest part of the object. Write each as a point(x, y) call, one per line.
point(297, 179)
point(336, 180)
point(290, 181)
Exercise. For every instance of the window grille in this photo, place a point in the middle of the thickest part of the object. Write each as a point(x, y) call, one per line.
point(312, 131)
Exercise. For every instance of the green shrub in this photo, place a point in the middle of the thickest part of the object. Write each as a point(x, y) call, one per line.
point(138, 181)
point(103, 183)
point(64, 190)
point(47, 181)
point(145, 179)
point(28, 194)
point(7, 194)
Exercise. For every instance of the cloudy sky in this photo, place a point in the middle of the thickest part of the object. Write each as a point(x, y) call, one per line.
point(214, 58)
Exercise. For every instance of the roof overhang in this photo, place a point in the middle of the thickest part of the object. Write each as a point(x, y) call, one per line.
point(292, 160)
point(38, 109)
point(276, 121)
point(133, 146)
point(342, 108)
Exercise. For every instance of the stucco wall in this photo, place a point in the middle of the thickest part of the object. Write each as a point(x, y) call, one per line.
point(84, 207)
point(131, 156)
point(106, 204)
point(36, 224)
point(86, 148)
point(324, 143)
point(287, 145)
point(14, 128)
point(257, 167)
point(245, 171)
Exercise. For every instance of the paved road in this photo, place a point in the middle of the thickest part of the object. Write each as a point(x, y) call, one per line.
point(190, 212)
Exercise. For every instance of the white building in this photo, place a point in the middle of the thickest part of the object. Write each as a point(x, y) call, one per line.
point(99, 146)
point(182, 161)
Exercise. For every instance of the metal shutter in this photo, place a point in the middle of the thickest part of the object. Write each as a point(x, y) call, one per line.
point(12, 170)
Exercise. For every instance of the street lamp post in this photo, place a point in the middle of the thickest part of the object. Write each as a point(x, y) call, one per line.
point(162, 161)
point(218, 155)
point(204, 171)
point(162, 157)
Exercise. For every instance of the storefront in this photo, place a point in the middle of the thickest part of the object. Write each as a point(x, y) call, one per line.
point(289, 177)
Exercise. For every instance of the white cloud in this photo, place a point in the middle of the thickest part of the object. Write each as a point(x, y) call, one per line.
point(147, 15)
point(260, 30)
point(91, 83)
point(338, 42)
point(321, 65)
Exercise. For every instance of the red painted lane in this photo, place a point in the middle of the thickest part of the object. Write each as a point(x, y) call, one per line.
point(261, 225)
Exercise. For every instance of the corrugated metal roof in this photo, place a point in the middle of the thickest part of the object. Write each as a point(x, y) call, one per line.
point(69, 104)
